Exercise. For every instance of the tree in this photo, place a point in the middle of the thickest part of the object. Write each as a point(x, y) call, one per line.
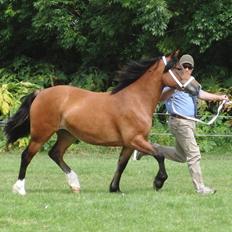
point(85, 42)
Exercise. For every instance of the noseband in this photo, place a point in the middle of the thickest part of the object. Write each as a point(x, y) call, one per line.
point(182, 86)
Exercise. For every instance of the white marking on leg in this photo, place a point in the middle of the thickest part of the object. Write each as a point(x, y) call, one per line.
point(73, 181)
point(19, 187)
point(134, 155)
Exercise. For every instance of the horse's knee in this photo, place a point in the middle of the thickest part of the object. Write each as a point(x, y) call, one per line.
point(30, 151)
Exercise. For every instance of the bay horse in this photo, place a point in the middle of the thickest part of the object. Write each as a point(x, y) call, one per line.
point(122, 117)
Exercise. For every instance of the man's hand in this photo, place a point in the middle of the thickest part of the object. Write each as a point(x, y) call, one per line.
point(223, 97)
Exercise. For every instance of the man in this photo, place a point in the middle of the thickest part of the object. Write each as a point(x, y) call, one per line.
point(179, 105)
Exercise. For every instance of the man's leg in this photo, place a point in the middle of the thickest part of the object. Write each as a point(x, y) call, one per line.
point(185, 137)
point(171, 153)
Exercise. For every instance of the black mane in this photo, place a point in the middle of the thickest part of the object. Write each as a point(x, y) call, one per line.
point(133, 71)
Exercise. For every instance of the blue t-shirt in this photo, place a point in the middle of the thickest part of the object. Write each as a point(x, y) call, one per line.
point(181, 103)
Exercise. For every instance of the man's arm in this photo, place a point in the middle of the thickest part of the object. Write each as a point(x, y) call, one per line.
point(167, 93)
point(211, 96)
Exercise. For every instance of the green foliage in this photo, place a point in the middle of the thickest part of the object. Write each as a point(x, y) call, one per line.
point(214, 136)
point(10, 100)
point(10, 95)
point(23, 69)
point(92, 79)
point(210, 23)
point(58, 19)
point(6, 100)
point(60, 38)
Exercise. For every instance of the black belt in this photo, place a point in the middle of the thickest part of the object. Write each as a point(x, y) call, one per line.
point(177, 116)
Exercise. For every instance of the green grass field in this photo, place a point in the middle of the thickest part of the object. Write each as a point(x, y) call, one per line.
point(50, 206)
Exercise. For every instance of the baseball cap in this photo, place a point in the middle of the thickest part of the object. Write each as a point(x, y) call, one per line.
point(186, 59)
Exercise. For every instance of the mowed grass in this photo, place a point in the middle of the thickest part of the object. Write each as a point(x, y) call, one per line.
point(50, 206)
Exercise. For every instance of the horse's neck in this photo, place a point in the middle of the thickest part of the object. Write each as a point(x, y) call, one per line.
point(153, 89)
point(147, 89)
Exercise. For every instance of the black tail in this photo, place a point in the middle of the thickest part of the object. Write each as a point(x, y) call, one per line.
point(18, 125)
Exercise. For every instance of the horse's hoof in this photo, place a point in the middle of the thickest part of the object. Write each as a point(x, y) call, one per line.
point(158, 185)
point(18, 189)
point(114, 190)
point(159, 182)
point(75, 189)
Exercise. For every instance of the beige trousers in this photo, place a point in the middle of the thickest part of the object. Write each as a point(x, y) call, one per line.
point(186, 149)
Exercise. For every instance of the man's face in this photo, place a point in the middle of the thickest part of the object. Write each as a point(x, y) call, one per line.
point(188, 68)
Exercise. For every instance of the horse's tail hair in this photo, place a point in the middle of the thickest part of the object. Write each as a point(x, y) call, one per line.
point(18, 125)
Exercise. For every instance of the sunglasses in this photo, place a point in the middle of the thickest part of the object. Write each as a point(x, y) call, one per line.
point(187, 66)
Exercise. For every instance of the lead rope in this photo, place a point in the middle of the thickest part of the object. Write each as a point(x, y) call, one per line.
point(200, 121)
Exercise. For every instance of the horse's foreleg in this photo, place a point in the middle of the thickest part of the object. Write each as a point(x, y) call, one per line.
point(142, 145)
point(64, 140)
point(26, 157)
point(122, 162)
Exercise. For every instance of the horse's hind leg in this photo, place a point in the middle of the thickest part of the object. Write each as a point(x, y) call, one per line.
point(161, 175)
point(147, 148)
point(64, 140)
point(122, 162)
point(26, 157)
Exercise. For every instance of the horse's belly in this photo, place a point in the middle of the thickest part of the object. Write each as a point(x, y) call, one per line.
point(99, 141)
point(97, 138)
point(94, 131)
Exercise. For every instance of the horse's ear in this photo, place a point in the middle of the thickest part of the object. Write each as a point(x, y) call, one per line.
point(175, 53)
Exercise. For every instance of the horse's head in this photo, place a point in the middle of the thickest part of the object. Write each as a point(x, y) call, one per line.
point(175, 76)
